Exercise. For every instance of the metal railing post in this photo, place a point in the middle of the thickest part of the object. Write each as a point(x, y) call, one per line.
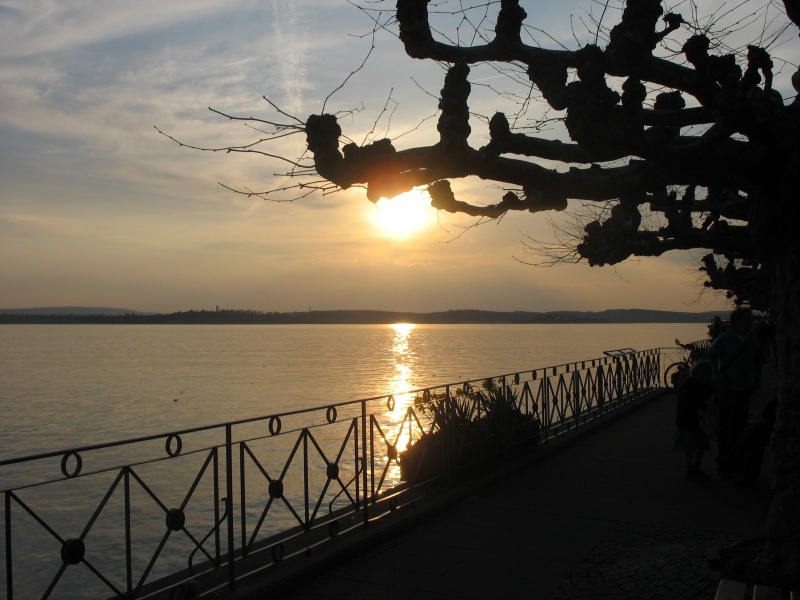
point(242, 502)
point(217, 554)
point(601, 388)
point(576, 397)
point(306, 488)
point(364, 462)
point(544, 388)
point(9, 562)
point(229, 491)
point(128, 544)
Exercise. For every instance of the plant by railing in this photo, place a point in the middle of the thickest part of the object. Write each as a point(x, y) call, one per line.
point(210, 506)
point(468, 429)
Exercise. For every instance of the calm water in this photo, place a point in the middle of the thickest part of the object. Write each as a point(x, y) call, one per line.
point(67, 385)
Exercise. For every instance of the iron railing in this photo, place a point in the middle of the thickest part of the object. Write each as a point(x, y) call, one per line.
point(207, 507)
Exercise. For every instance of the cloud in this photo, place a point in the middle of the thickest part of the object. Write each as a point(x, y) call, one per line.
point(289, 42)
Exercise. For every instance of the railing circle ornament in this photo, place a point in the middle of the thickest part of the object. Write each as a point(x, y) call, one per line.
point(72, 551)
point(390, 403)
point(65, 463)
point(330, 414)
point(173, 445)
point(176, 519)
point(333, 471)
point(274, 425)
point(275, 488)
point(333, 529)
point(277, 553)
point(187, 589)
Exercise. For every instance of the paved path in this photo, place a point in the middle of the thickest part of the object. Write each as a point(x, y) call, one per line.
point(607, 516)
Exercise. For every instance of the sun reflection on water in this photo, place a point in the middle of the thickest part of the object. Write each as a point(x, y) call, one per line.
point(402, 380)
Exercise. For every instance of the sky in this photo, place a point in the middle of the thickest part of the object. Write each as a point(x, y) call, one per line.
point(97, 208)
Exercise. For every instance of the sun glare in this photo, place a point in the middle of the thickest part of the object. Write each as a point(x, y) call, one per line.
point(403, 378)
point(405, 215)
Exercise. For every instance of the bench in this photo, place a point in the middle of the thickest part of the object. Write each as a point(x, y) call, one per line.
point(728, 589)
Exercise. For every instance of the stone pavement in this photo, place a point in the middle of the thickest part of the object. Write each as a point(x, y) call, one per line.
point(608, 515)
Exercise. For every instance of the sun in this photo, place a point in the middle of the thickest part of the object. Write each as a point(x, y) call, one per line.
point(405, 215)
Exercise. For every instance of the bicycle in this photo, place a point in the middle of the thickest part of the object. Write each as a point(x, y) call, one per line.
point(678, 371)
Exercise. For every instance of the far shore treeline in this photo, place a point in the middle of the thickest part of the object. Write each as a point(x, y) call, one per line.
point(82, 315)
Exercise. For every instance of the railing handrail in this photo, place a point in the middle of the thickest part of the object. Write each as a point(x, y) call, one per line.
point(237, 422)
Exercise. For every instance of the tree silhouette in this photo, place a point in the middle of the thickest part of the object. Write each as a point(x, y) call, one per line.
point(732, 188)
point(697, 137)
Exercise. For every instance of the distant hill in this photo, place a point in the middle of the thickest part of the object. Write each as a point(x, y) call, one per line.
point(77, 314)
point(70, 310)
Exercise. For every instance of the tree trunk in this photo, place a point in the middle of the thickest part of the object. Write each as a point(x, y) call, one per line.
point(781, 556)
point(777, 215)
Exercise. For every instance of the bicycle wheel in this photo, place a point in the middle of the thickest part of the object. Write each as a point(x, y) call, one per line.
point(675, 374)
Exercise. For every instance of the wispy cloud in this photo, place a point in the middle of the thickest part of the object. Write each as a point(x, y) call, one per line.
point(288, 54)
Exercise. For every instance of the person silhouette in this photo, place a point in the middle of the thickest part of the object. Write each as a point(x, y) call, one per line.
point(736, 357)
point(715, 328)
point(693, 397)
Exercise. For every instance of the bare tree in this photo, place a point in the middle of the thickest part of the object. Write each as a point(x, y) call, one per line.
point(681, 146)
point(732, 188)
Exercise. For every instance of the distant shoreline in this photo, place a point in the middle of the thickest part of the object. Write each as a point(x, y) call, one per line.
point(346, 317)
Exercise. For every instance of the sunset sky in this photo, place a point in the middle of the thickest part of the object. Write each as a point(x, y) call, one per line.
point(99, 209)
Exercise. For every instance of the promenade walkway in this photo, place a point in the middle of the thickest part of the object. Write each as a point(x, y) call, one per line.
point(608, 515)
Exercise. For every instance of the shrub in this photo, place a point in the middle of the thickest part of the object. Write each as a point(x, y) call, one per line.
point(472, 429)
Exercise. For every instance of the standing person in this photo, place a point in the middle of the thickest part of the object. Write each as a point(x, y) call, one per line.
point(715, 328)
point(693, 397)
point(736, 357)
